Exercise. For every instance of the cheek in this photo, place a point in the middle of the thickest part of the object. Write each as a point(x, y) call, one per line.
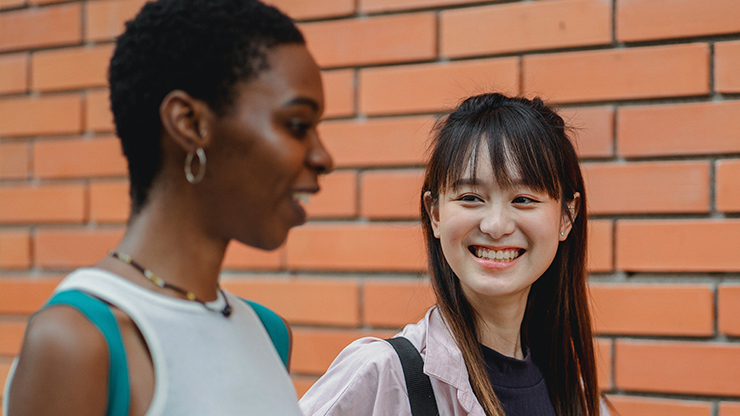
point(546, 232)
point(454, 227)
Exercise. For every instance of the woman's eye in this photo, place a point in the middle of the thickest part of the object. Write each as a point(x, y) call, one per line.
point(469, 198)
point(523, 200)
point(299, 128)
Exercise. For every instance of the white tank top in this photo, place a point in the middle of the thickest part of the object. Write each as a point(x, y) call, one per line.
point(204, 363)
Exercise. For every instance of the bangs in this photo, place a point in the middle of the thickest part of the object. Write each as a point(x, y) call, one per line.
point(518, 142)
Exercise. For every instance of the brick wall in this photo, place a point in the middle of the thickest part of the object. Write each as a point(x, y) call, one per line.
point(652, 85)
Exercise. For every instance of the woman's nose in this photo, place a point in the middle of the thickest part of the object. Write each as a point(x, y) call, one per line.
point(497, 222)
point(318, 158)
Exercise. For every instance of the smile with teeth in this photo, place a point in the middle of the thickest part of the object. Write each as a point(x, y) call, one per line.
point(505, 255)
point(302, 197)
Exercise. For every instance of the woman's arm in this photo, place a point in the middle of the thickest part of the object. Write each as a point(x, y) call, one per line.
point(366, 379)
point(62, 367)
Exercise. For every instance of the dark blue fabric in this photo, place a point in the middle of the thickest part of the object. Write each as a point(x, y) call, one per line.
point(518, 384)
point(101, 316)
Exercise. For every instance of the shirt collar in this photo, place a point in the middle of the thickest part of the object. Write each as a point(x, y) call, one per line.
point(444, 359)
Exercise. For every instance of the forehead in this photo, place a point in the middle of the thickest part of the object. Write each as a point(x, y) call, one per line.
point(479, 169)
point(292, 73)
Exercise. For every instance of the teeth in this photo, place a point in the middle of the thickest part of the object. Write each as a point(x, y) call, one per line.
point(500, 255)
point(302, 197)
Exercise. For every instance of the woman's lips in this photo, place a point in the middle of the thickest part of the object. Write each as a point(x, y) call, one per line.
point(498, 258)
point(300, 200)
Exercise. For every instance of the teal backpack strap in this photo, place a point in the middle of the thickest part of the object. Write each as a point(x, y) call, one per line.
point(276, 328)
point(101, 316)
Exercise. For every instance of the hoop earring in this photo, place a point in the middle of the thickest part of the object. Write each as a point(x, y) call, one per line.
point(201, 168)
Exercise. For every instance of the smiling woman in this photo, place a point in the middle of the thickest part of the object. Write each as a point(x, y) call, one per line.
point(504, 218)
point(216, 103)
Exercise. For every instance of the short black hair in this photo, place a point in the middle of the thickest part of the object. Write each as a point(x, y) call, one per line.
point(203, 47)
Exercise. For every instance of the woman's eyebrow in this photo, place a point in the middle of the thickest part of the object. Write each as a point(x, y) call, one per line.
point(465, 182)
point(303, 101)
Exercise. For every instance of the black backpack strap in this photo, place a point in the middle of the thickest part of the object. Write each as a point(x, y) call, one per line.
point(421, 395)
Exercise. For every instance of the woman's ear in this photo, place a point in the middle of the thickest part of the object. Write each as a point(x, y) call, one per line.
point(186, 120)
point(566, 222)
point(432, 207)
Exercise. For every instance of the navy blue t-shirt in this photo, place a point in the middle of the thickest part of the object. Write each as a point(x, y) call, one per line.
point(518, 384)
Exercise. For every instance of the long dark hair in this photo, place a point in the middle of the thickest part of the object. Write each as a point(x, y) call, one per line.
point(531, 137)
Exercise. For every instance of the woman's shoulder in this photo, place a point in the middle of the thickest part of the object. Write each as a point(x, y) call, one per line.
point(364, 379)
point(62, 354)
point(368, 354)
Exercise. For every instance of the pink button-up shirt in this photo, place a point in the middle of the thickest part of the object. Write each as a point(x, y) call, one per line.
point(367, 378)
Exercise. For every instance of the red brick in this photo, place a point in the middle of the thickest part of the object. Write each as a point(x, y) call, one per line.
point(79, 158)
point(377, 142)
point(14, 160)
point(600, 246)
point(664, 19)
point(71, 68)
point(13, 73)
point(394, 303)
point(525, 26)
point(644, 406)
point(391, 193)
point(15, 250)
point(109, 201)
point(339, 92)
point(603, 355)
point(647, 187)
point(678, 367)
point(337, 198)
point(679, 129)
point(69, 248)
point(655, 71)
point(727, 179)
point(240, 256)
point(31, 116)
point(25, 295)
point(39, 27)
point(304, 301)
point(370, 247)
point(653, 309)
point(11, 337)
point(389, 5)
point(593, 130)
point(433, 87)
point(373, 40)
point(727, 66)
point(302, 384)
point(729, 409)
point(98, 116)
point(42, 203)
point(104, 19)
point(728, 309)
point(7, 4)
point(678, 245)
point(301, 9)
point(315, 349)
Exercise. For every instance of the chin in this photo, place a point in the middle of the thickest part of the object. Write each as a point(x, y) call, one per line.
point(265, 240)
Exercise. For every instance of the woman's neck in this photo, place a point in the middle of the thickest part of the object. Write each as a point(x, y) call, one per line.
point(167, 238)
point(499, 323)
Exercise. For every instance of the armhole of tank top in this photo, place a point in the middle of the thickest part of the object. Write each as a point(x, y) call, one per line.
point(100, 315)
point(276, 329)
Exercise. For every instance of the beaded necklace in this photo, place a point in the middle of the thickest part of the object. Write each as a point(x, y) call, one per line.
point(226, 311)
